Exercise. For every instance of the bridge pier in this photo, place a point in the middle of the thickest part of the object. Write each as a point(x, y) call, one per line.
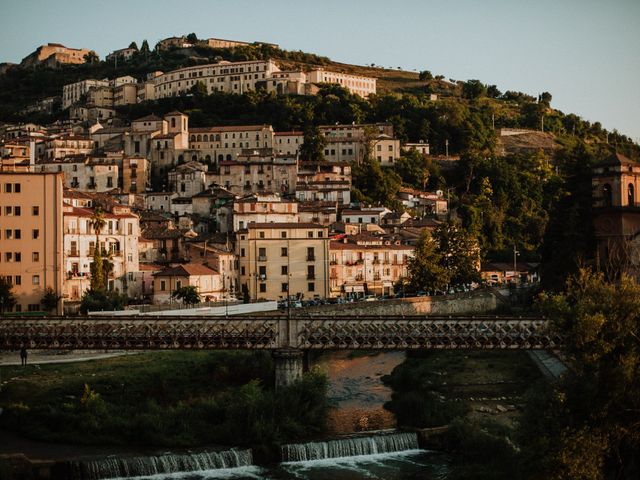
point(288, 365)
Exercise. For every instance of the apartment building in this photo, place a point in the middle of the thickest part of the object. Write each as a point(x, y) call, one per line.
point(135, 174)
point(236, 77)
point(280, 260)
point(74, 92)
point(324, 183)
point(263, 208)
point(350, 143)
point(288, 143)
point(427, 203)
point(31, 236)
point(121, 54)
point(356, 84)
point(420, 147)
point(118, 238)
point(84, 173)
point(54, 54)
point(227, 143)
point(188, 179)
point(67, 145)
point(258, 174)
point(364, 264)
point(364, 215)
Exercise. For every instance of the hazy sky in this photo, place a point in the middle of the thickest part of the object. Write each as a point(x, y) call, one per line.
point(586, 53)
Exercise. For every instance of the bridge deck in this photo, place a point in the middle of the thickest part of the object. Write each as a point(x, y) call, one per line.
point(270, 332)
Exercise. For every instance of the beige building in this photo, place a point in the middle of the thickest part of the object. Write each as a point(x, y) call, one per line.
point(349, 143)
point(135, 174)
point(288, 143)
point(364, 264)
point(263, 208)
point(325, 183)
point(356, 84)
point(85, 173)
point(121, 54)
point(55, 54)
point(231, 77)
point(207, 281)
point(228, 143)
point(119, 238)
point(258, 174)
point(64, 146)
point(420, 147)
point(285, 259)
point(74, 92)
point(31, 236)
point(188, 179)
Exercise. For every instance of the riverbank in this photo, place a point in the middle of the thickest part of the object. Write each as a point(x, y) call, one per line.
point(162, 400)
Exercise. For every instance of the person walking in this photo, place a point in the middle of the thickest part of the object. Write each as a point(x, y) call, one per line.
point(23, 356)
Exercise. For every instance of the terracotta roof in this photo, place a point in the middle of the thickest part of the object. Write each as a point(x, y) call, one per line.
point(149, 118)
point(616, 159)
point(288, 134)
point(186, 270)
point(153, 233)
point(229, 128)
point(175, 112)
point(284, 225)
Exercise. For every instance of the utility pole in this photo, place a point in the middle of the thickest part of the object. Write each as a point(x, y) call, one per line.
point(542, 121)
point(446, 146)
point(515, 264)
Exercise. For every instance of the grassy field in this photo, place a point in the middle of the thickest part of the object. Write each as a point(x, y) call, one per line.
point(173, 399)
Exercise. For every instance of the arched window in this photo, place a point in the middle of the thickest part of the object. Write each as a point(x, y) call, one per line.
point(199, 138)
point(173, 123)
point(180, 159)
point(205, 138)
point(193, 138)
point(194, 158)
point(207, 158)
point(631, 195)
point(606, 195)
point(220, 157)
point(229, 157)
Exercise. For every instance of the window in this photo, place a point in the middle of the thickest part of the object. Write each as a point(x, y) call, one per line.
point(262, 254)
point(262, 272)
point(606, 195)
point(8, 257)
point(35, 256)
point(178, 284)
point(242, 271)
point(311, 255)
point(18, 280)
point(18, 256)
point(36, 234)
point(35, 280)
point(284, 270)
point(242, 252)
point(35, 211)
point(261, 234)
point(310, 234)
point(263, 287)
point(17, 211)
point(33, 307)
point(311, 287)
point(311, 272)
point(285, 286)
point(163, 285)
point(283, 234)
point(284, 251)
point(8, 211)
point(631, 196)
point(8, 188)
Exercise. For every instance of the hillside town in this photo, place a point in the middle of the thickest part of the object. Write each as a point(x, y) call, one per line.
point(230, 210)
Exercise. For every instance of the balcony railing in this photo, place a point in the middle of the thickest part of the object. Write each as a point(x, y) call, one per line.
point(311, 258)
point(262, 258)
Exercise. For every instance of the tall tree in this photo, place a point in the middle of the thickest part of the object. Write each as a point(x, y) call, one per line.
point(312, 148)
point(133, 45)
point(7, 297)
point(144, 48)
point(425, 268)
point(98, 278)
point(188, 294)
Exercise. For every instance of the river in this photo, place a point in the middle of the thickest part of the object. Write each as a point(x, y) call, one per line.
point(357, 396)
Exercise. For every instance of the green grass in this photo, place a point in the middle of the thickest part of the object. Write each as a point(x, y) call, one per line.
point(175, 399)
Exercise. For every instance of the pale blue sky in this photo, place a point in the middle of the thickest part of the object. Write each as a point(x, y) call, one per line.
point(585, 52)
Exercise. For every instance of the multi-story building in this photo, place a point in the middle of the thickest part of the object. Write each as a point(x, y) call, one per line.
point(420, 147)
point(280, 260)
point(228, 143)
point(288, 143)
point(324, 213)
point(427, 203)
point(364, 264)
point(356, 84)
point(121, 54)
point(135, 174)
point(74, 92)
point(67, 145)
point(258, 174)
point(263, 208)
point(118, 239)
point(188, 179)
point(85, 173)
point(236, 77)
point(350, 143)
point(324, 183)
point(55, 54)
point(364, 215)
point(31, 236)
point(160, 201)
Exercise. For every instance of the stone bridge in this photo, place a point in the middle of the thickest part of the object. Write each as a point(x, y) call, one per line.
point(287, 337)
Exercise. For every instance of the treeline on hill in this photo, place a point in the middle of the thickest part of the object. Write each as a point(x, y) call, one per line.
point(536, 202)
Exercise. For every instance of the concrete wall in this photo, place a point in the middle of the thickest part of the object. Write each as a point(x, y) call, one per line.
point(477, 302)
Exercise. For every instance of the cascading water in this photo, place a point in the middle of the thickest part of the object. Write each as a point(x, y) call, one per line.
point(153, 465)
point(349, 447)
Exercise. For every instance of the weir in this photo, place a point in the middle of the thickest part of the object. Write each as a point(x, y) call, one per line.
point(349, 447)
point(124, 467)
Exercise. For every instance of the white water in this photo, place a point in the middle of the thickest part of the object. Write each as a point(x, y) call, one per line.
point(349, 447)
point(124, 467)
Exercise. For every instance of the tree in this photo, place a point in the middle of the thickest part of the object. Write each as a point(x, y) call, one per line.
point(588, 425)
point(50, 300)
point(545, 98)
point(199, 89)
point(425, 75)
point(144, 48)
point(188, 294)
point(91, 57)
point(448, 257)
point(133, 45)
point(192, 38)
point(7, 297)
point(425, 268)
point(312, 148)
point(493, 92)
point(472, 89)
point(98, 278)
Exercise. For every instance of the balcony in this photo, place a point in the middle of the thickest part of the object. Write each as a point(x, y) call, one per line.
point(311, 258)
point(262, 258)
point(333, 262)
point(311, 276)
point(74, 252)
point(91, 186)
point(262, 276)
